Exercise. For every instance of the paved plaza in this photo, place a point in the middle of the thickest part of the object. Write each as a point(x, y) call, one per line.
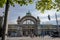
point(32, 38)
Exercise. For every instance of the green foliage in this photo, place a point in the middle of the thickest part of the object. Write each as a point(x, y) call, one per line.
point(41, 5)
point(23, 2)
point(2, 2)
point(44, 5)
point(57, 2)
point(12, 2)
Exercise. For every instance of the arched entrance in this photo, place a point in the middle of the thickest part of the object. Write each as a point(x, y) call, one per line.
point(29, 28)
point(28, 24)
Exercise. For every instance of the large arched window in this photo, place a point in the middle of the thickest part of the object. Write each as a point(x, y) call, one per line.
point(28, 22)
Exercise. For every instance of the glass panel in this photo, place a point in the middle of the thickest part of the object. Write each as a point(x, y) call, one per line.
point(28, 22)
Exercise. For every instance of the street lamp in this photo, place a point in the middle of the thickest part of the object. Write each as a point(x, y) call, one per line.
point(57, 22)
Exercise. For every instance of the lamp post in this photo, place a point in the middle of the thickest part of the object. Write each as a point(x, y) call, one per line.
point(49, 25)
point(57, 22)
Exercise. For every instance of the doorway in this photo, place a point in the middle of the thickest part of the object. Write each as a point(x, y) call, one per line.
point(28, 32)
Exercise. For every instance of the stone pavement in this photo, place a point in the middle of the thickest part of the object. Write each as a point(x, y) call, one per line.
point(32, 38)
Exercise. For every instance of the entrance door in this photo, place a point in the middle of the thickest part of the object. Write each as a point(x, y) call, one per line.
point(31, 32)
point(28, 32)
point(25, 32)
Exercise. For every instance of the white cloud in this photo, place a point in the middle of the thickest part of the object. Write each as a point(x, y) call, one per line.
point(14, 21)
point(20, 11)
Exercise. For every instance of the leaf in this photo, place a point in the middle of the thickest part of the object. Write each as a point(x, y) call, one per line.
point(44, 5)
point(57, 10)
point(2, 2)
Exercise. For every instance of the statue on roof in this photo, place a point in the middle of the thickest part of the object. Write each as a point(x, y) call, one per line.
point(28, 13)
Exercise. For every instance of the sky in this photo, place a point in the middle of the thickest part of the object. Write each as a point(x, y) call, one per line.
point(21, 11)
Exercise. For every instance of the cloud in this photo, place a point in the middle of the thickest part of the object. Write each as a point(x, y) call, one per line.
point(21, 11)
point(14, 21)
point(53, 21)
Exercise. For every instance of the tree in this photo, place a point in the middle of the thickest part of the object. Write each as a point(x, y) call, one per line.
point(1, 20)
point(8, 3)
point(40, 5)
point(0, 31)
point(43, 5)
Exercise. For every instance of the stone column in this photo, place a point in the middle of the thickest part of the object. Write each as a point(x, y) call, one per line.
point(21, 31)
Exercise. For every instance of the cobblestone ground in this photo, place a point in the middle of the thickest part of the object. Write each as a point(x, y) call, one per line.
point(32, 38)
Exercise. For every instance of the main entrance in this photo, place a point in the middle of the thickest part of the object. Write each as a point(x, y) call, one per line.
point(29, 24)
point(28, 32)
point(26, 26)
